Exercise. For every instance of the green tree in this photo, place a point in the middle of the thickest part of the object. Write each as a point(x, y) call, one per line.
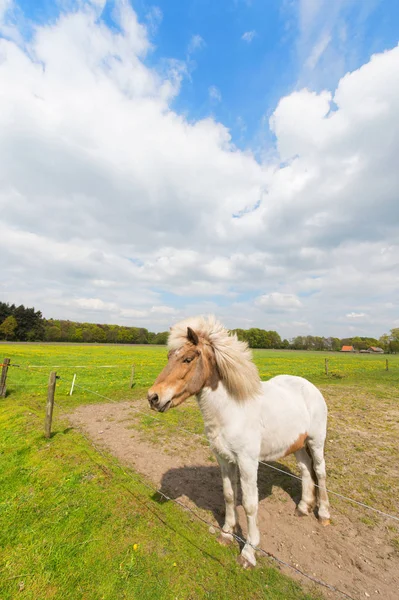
point(395, 334)
point(8, 327)
point(6, 310)
point(394, 341)
point(29, 322)
point(98, 334)
point(161, 338)
point(77, 335)
point(383, 342)
point(299, 343)
point(125, 335)
point(53, 333)
point(111, 334)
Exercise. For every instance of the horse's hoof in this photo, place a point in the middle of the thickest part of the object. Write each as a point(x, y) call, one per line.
point(324, 522)
point(225, 539)
point(245, 563)
point(300, 513)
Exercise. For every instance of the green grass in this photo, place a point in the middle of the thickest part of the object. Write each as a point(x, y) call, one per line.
point(74, 525)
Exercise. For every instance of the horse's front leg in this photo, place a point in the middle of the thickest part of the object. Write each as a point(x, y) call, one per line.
point(229, 477)
point(249, 487)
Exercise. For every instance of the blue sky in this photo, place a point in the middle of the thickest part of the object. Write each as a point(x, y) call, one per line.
point(251, 74)
point(235, 157)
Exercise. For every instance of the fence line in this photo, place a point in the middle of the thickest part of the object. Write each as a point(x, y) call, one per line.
point(202, 436)
point(79, 366)
point(239, 539)
point(27, 385)
point(199, 517)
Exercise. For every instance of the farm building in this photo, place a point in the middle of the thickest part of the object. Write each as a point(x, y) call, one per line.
point(372, 350)
point(347, 349)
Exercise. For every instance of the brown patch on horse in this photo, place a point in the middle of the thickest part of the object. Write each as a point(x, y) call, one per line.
point(207, 375)
point(298, 444)
point(234, 362)
point(190, 368)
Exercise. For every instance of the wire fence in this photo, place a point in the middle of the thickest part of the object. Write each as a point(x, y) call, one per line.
point(161, 493)
point(203, 437)
point(333, 366)
point(200, 518)
point(191, 433)
point(126, 366)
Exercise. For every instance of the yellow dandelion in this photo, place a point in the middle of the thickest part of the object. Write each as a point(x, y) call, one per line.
point(135, 547)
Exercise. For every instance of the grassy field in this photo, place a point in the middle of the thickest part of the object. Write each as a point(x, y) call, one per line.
point(72, 525)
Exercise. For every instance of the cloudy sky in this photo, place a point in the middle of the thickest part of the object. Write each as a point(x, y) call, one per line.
point(238, 157)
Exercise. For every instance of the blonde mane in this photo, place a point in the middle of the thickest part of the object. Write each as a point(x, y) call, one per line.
point(233, 358)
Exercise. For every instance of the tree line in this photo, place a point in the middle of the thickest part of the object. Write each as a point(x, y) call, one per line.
point(259, 338)
point(21, 324)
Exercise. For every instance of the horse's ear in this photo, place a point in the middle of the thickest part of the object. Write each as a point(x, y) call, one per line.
point(192, 336)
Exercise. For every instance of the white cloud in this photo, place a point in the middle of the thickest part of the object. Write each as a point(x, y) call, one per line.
point(133, 313)
point(318, 49)
point(248, 36)
point(220, 268)
point(298, 327)
point(112, 202)
point(196, 43)
point(5, 5)
point(163, 310)
point(355, 315)
point(277, 300)
point(154, 19)
point(328, 41)
point(215, 94)
point(94, 304)
point(310, 284)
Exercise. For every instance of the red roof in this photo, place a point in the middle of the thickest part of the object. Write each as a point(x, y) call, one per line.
point(346, 348)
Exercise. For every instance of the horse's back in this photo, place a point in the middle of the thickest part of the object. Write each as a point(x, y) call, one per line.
point(296, 384)
point(299, 396)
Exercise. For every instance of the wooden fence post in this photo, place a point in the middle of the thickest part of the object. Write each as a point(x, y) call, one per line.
point(131, 377)
point(326, 365)
point(386, 364)
point(3, 380)
point(50, 403)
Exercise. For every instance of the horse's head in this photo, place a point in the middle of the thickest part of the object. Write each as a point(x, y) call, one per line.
point(190, 368)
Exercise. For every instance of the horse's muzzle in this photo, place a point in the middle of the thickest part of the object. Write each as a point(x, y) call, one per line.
point(153, 401)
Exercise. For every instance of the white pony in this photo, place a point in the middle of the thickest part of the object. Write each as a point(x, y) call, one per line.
point(246, 420)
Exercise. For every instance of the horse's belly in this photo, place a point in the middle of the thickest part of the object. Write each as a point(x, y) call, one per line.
point(275, 449)
point(285, 431)
point(269, 453)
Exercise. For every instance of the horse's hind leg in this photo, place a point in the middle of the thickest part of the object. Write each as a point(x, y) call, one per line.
point(308, 499)
point(229, 477)
point(316, 448)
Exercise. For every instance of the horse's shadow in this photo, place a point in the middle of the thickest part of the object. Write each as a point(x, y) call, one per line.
point(203, 486)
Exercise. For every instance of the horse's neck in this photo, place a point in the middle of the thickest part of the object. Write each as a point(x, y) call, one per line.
point(217, 407)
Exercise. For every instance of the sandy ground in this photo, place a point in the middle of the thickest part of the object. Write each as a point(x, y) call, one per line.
point(347, 554)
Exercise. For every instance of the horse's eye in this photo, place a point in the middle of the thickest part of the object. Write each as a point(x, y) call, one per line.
point(187, 360)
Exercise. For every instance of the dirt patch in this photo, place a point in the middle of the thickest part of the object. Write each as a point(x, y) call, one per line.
point(349, 555)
